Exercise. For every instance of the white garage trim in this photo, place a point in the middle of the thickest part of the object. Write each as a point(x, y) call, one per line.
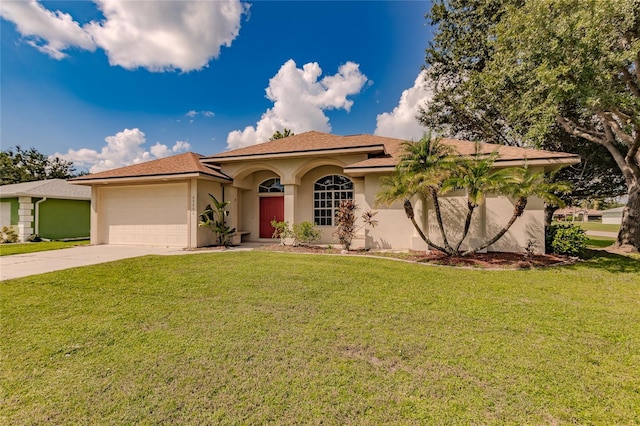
point(152, 215)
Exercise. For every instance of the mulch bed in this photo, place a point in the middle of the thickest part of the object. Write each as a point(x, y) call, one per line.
point(493, 260)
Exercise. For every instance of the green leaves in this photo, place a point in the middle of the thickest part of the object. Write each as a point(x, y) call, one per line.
point(214, 218)
point(25, 165)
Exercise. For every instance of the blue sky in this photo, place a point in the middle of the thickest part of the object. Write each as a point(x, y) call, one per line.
point(111, 82)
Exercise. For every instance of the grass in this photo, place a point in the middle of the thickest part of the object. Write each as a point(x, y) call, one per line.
point(599, 242)
point(22, 248)
point(255, 337)
point(593, 226)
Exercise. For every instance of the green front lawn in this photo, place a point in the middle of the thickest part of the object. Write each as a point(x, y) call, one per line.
point(257, 337)
point(22, 248)
point(599, 242)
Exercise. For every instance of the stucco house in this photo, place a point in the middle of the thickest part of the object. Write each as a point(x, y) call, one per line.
point(613, 216)
point(298, 178)
point(51, 209)
point(578, 214)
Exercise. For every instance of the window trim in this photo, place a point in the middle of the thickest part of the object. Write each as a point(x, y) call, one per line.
point(321, 198)
point(273, 185)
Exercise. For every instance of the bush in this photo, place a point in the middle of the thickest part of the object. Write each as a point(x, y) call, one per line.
point(281, 231)
point(8, 235)
point(346, 229)
point(565, 239)
point(305, 233)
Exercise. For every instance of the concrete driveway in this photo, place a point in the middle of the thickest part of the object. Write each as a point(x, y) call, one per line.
point(22, 265)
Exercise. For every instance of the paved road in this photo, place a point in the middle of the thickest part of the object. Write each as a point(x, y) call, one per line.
point(602, 234)
point(22, 265)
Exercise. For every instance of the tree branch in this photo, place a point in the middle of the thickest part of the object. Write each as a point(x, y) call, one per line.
point(631, 84)
point(601, 139)
point(613, 124)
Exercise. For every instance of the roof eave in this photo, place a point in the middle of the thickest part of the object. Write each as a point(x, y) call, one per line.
point(361, 171)
point(550, 161)
point(149, 178)
point(57, 197)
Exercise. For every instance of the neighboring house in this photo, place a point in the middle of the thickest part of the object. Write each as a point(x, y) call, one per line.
point(51, 209)
point(578, 214)
point(298, 178)
point(612, 216)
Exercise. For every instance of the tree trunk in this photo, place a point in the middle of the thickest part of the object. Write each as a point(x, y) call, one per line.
point(408, 209)
point(467, 224)
point(436, 205)
point(549, 210)
point(629, 235)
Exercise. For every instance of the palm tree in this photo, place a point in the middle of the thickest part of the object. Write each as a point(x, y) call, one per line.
point(477, 176)
point(524, 185)
point(429, 169)
point(285, 134)
point(421, 169)
point(398, 187)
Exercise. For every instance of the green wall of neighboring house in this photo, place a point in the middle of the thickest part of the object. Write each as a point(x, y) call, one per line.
point(58, 218)
point(64, 218)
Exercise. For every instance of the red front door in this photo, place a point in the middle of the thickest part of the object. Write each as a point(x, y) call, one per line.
point(270, 208)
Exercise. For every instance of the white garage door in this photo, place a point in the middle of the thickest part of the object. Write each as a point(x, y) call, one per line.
point(154, 215)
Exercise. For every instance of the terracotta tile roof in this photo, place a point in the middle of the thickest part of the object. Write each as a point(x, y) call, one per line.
point(308, 142)
point(181, 164)
point(506, 153)
point(384, 151)
point(51, 188)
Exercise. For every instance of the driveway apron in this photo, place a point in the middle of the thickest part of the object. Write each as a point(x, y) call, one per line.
point(22, 265)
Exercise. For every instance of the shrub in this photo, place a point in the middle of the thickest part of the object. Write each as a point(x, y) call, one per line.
point(346, 222)
point(214, 218)
point(281, 230)
point(565, 239)
point(8, 235)
point(305, 233)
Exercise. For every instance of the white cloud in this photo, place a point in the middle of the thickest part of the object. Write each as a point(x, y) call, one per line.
point(158, 36)
point(50, 32)
point(122, 149)
point(166, 35)
point(193, 113)
point(299, 100)
point(401, 122)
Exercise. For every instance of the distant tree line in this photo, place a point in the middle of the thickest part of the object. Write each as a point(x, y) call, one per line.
point(19, 165)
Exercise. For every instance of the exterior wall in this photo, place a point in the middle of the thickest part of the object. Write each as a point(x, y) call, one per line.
point(612, 220)
point(488, 220)
point(10, 206)
point(394, 230)
point(63, 218)
point(528, 227)
point(205, 236)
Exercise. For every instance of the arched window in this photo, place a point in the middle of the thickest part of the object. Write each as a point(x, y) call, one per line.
point(271, 185)
point(327, 194)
